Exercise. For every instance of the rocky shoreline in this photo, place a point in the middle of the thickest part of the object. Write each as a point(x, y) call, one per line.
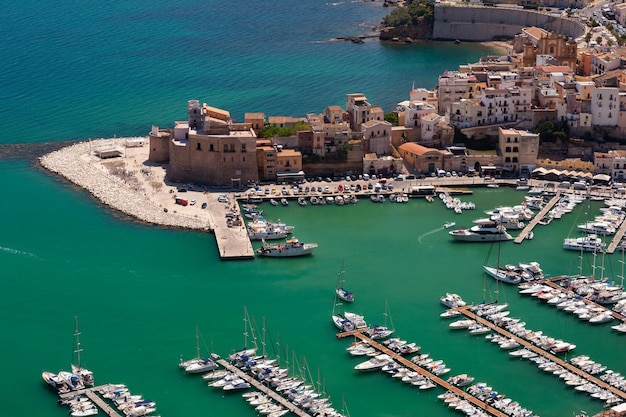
point(79, 165)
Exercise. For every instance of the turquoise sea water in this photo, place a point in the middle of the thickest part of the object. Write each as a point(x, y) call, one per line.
point(74, 70)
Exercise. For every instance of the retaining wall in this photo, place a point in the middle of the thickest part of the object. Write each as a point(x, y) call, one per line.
point(469, 23)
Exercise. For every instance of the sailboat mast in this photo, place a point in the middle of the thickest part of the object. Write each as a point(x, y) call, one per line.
point(77, 341)
point(622, 262)
point(197, 343)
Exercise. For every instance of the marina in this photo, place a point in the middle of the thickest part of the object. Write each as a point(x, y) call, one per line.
point(480, 405)
point(299, 217)
point(467, 311)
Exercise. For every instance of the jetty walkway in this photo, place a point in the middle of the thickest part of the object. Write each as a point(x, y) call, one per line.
point(533, 222)
point(523, 342)
point(617, 238)
point(436, 379)
point(91, 393)
point(264, 389)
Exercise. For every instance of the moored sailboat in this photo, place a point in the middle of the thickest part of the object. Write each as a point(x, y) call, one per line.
point(198, 364)
point(341, 292)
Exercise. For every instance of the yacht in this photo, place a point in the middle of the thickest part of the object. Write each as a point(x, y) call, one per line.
point(589, 243)
point(376, 362)
point(482, 232)
point(598, 228)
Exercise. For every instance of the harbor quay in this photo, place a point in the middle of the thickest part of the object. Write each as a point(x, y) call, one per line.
point(119, 174)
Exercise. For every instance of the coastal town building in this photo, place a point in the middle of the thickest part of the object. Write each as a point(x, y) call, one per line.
point(534, 43)
point(519, 150)
point(207, 148)
point(361, 111)
point(454, 86)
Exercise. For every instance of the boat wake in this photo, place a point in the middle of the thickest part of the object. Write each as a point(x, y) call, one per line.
point(17, 252)
point(419, 239)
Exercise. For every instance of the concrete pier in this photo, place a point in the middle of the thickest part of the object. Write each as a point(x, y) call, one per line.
point(533, 222)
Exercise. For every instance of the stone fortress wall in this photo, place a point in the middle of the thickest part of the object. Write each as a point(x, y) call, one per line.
point(468, 23)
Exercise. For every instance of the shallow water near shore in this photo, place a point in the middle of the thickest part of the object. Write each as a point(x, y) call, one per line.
point(139, 292)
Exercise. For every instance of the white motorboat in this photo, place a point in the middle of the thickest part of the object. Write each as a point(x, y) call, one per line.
point(236, 384)
point(620, 327)
point(73, 381)
point(374, 363)
point(452, 300)
point(462, 324)
point(589, 243)
point(460, 380)
point(598, 228)
point(292, 247)
point(484, 232)
point(448, 225)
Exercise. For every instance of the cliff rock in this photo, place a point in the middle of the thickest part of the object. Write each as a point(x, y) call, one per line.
point(421, 31)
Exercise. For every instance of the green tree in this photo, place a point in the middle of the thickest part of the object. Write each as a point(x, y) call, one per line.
point(588, 36)
point(599, 40)
point(301, 126)
point(392, 117)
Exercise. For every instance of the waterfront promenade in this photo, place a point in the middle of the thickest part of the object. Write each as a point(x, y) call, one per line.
point(131, 184)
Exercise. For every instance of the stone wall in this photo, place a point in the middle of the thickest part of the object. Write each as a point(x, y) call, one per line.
point(467, 23)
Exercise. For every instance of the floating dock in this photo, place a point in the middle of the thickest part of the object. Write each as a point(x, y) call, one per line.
point(617, 238)
point(91, 393)
point(523, 342)
point(436, 379)
point(264, 389)
point(533, 222)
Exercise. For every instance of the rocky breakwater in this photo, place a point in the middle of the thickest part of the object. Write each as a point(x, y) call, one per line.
point(79, 165)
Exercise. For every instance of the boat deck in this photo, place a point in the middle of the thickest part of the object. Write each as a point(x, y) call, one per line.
point(264, 389)
point(533, 222)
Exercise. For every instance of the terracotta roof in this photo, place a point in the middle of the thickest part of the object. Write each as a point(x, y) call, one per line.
point(416, 149)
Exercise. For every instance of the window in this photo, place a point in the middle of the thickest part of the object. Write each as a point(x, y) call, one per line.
point(211, 148)
point(515, 149)
point(232, 147)
point(225, 148)
point(198, 146)
point(507, 149)
point(243, 147)
point(515, 159)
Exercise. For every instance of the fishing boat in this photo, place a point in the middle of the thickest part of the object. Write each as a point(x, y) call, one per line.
point(292, 247)
point(341, 292)
point(198, 364)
